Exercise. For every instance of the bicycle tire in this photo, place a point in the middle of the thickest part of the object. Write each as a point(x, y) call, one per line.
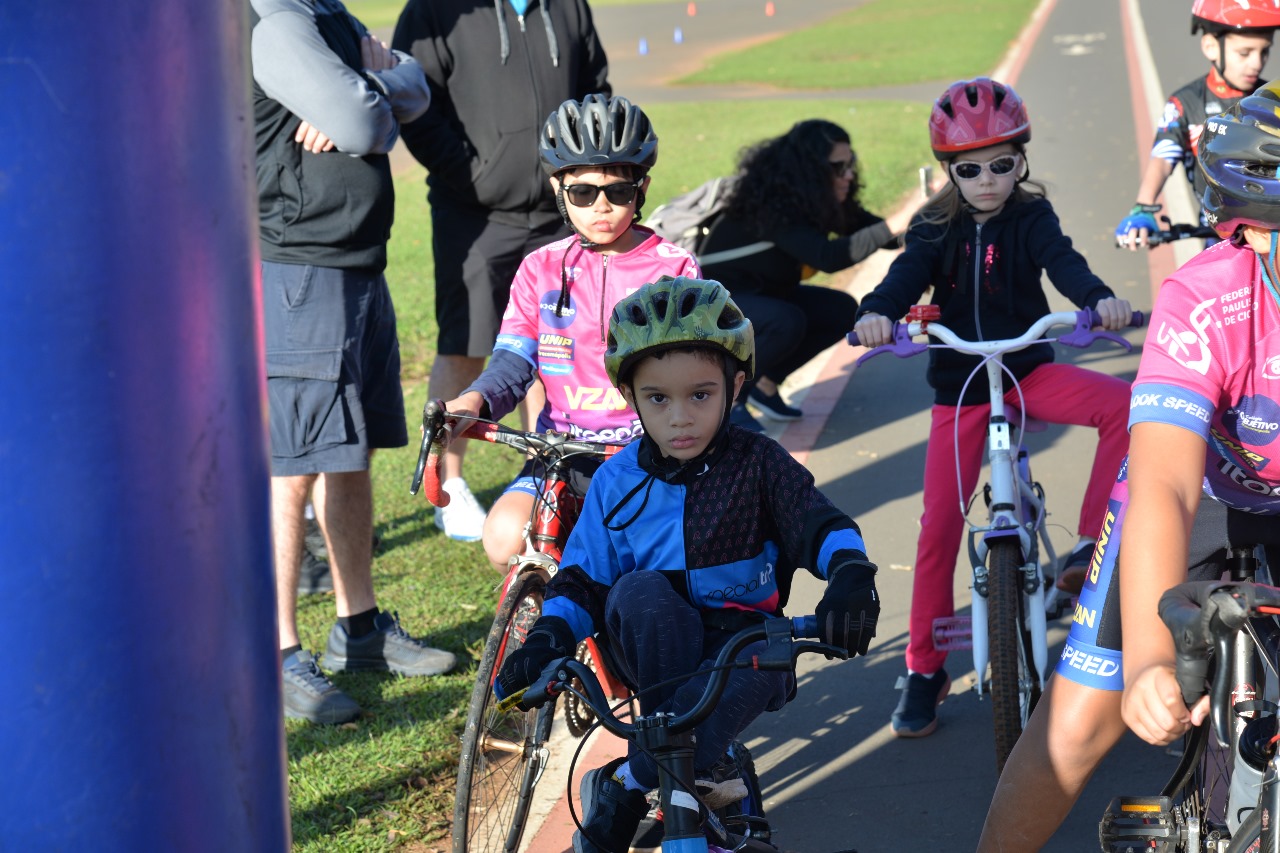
point(1014, 687)
point(501, 751)
point(578, 716)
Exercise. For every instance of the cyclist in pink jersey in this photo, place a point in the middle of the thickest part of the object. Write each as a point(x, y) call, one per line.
point(598, 153)
point(1204, 417)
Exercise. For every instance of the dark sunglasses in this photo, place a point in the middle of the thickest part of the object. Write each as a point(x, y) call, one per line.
point(968, 170)
point(585, 195)
point(840, 168)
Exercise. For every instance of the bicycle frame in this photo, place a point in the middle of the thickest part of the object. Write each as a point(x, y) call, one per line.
point(668, 737)
point(556, 506)
point(1016, 517)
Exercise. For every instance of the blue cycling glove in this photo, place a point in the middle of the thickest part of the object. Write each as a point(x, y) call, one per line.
point(850, 608)
point(1140, 216)
point(550, 638)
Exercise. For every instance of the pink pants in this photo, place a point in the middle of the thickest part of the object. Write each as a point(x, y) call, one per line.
point(1056, 393)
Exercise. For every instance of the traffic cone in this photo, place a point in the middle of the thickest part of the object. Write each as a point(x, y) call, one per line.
point(768, 9)
point(693, 9)
point(644, 47)
point(678, 38)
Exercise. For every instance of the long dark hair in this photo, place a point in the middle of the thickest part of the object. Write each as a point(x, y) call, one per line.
point(786, 181)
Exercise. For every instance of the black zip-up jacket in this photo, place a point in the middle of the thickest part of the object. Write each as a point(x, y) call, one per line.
point(1005, 256)
point(495, 76)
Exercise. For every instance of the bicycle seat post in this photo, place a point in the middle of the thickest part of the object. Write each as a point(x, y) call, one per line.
point(1243, 564)
point(673, 753)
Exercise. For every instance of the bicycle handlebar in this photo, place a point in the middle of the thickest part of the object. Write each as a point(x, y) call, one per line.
point(1081, 336)
point(1204, 615)
point(1178, 231)
point(781, 653)
point(437, 432)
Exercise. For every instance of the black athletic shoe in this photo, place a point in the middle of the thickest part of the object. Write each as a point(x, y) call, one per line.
point(917, 711)
point(389, 647)
point(611, 813)
point(309, 695)
point(315, 577)
point(773, 407)
point(740, 417)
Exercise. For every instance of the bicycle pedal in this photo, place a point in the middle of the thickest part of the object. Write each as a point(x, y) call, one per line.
point(952, 633)
point(1132, 824)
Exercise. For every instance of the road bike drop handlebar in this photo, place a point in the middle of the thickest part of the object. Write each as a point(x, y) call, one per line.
point(1204, 615)
point(787, 639)
point(1081, 336)
point(437, 432)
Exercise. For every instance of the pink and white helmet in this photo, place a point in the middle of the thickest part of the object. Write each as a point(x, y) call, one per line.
point(1226, 16)
point(975, 114)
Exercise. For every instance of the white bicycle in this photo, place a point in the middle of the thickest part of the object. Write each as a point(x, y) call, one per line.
point(1014, 564)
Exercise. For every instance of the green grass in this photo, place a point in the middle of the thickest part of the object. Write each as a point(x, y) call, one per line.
point(884, 43)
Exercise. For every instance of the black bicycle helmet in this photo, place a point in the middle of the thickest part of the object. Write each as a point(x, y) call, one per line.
point(599, 131)
point(1239, 157)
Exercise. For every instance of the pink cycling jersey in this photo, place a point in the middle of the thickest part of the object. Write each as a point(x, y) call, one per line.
point(568, 349)
point(1211, 364)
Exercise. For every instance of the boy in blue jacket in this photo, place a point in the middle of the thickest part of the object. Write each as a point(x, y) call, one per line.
point(687, 536)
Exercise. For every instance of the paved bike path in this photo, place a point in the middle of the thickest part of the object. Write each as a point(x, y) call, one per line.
point(834, 776)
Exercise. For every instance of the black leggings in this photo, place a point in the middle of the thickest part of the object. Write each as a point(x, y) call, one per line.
point(793, 327)
point(656, 635)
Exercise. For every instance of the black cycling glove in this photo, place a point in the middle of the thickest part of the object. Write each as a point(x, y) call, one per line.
point(849, 609)
point(550, 638)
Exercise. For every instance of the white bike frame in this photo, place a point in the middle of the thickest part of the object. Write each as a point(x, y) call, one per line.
point(1012, 495)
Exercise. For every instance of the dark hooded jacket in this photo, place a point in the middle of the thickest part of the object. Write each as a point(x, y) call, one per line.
point(495, 76)
point(986, 278)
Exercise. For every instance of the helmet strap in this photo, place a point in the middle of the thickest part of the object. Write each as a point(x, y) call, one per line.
point(684, 471)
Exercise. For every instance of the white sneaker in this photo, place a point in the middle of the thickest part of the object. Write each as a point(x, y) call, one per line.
point(463, 518)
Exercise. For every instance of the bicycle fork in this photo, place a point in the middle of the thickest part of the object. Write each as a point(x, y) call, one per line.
point(1005, 525)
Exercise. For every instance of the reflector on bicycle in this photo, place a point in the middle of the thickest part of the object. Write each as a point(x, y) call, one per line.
point(1139, 823)
point(953, 633)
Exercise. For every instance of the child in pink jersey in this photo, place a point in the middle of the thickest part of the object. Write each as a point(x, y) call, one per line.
point(1205, 418)
point(598, 153)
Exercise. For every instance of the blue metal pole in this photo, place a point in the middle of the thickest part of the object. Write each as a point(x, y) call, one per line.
point(139, 679)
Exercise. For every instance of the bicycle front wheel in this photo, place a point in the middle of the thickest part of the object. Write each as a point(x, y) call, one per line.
point(1015, 688)
point(503, 752)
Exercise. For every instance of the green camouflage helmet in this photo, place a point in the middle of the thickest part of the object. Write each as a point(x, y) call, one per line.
point(677, 312)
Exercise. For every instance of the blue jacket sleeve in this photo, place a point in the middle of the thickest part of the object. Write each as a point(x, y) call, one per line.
point(588, 569)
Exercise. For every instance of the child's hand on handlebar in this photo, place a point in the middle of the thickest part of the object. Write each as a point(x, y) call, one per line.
point(874, 330)
point(469, 405)
point(850, 607)
point(1152, 706)
point(550, 639)
point(1115, 313)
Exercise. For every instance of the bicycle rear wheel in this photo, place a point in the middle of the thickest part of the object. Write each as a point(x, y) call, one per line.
point(503, 752)
point(1015, 687)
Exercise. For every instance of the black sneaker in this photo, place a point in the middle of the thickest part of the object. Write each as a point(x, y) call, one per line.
point(773, 407)
point(611, 813)
point(917, 711)
point(313, 538)
point(388, 648)
point(1075, 568)
point(308, 695)
point(740, 417)
point(314, 577)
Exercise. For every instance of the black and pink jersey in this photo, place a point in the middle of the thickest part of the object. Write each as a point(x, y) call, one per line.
point(1182, 123)
point(1211, 364)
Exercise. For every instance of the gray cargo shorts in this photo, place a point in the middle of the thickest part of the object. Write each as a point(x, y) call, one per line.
point(333, 368)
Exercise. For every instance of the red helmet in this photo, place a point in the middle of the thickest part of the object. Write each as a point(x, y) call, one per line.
point(974, 114)
point(1225, 16)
